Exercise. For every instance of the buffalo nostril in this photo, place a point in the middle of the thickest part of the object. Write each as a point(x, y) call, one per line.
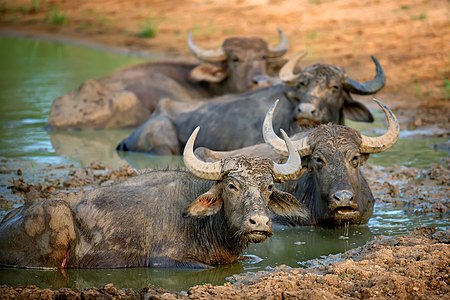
point(343, 195)
point(122, 147)
point(257, 221)
point(307, 108)
point(260, 79)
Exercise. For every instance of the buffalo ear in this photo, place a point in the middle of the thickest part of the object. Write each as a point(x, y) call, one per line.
point(286, 205)
point(208, 72)
point(356, 111)
point(205, 205)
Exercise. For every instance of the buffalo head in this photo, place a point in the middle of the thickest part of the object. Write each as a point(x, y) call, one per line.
point(322, 92)
point(245, 190)
point(334, 188)
point(239, 64)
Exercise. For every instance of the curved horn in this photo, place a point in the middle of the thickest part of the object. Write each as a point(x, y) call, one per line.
point(206, 55)
point(287, 71)
point(381, 143)
point(281, 48)
point(368, 87)
point(291, 169)
point(271, 138)
point(199, 168)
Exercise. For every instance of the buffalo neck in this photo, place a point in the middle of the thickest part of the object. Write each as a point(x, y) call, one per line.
point(213, 242)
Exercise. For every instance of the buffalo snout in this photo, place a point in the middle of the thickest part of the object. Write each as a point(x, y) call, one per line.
point(307, 109)
point(343, 196)
point(257, 228)
point(343, 206)
point(260, 80)
point(307, 114)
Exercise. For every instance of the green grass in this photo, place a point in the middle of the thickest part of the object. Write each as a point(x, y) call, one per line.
point(417, 89)
point(420, 17)
point(56, 17)
point(35, 5)
point(446, 89)
point(148, 28)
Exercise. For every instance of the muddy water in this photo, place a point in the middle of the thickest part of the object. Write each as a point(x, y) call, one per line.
point(34, 72)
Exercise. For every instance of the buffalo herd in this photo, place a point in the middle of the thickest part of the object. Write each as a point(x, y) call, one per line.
point(240, 180)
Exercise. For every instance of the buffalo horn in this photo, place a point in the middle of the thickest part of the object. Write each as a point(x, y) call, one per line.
point(271, 138)
point(281, 48)
point(290, 170)
point(199, 168)
point(381, 143)
point(287, 71)
point(368, 87)
point(206, 55)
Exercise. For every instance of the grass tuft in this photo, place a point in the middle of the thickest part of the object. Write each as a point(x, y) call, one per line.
point(446, 89)
point(56, 17)
point(148, 29)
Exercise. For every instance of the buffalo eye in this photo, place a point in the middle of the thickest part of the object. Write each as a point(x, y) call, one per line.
point(232, 187)
point(264, 57)
point(234, 58)
point(318, 161)
point(302, 83)
point(334, 88)
point(270, 187)
point(355, 161)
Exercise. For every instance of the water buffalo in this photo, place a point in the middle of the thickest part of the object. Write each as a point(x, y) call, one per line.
point(156, 219)
point(236, 120)
point(128, 97)
point(333, 187)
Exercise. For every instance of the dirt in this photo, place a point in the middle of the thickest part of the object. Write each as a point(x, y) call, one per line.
point(409, 37)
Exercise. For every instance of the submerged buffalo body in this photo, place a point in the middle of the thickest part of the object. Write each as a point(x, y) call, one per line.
point(333, 187)
point(235, 120)
point(156, 219)
point(128, 97)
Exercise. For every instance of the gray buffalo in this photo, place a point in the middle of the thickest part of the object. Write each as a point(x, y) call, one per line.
point(156, 219)
point(235, 120)
point(333, 187)
point(128, 97)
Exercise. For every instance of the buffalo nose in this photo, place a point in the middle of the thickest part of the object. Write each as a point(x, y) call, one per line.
point(260, 79)
point(259, 222)
point(122, 147)
point(307, 108)
point(343, 196)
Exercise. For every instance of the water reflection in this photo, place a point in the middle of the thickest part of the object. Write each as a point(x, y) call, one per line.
point(408, 151)
point(135, 278)
point(86, 146)
point(32, 74)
